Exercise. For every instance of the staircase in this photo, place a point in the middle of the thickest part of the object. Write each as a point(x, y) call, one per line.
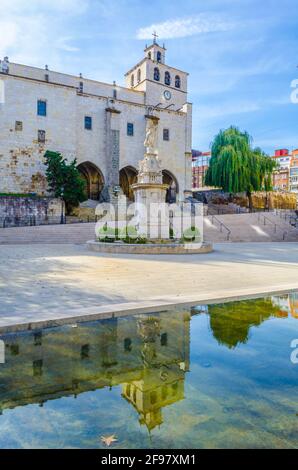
point(256, 227)
point(51, 234)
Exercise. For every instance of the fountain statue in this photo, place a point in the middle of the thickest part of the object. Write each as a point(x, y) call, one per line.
point(149, 191)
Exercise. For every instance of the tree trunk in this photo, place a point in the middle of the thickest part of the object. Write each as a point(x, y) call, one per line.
point(267, 202)
point(250, 205)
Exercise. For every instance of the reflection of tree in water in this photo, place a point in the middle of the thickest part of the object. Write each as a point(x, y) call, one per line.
point(231, 322)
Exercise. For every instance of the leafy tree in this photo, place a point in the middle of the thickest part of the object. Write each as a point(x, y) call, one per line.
point(64, 179)
point(237, 167)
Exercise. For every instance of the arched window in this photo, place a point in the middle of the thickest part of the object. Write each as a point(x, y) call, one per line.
point(127, 345)
point(156, 74)
point(153, 398)
point(149, 55)
point(139, 75)
point(167, 78)
point(177, 81)
point(132, 80)
point(158, 56)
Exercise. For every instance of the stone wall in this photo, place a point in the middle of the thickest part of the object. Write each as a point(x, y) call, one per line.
point(16, 211)
point(261, 200)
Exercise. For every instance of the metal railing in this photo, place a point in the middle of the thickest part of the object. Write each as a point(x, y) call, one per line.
point(290, 215)
point(267, 221)
point(33, 220)
point(222, 210)
point(221, 226)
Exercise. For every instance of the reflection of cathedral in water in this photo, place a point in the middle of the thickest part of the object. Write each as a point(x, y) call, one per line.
point(147, 355)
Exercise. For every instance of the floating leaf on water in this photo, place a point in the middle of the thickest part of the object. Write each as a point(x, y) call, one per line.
point(108, 440)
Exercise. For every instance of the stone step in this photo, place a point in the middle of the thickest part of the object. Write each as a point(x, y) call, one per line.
point(244, 228)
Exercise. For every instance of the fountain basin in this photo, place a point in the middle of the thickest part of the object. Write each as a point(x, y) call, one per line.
point(150, 248)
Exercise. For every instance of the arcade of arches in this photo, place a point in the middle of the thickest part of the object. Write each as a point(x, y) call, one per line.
point(94, 181)
point(169, 178)
point(128, 176)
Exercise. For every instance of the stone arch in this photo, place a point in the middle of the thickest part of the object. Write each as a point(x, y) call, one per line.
point(177, 81)
point(156, 74)
point(171, 180)
point(139, 75)
point(127, 177)
point(167, 78)
point(94, 179)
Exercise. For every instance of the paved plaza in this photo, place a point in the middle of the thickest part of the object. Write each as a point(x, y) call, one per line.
point(48, 283)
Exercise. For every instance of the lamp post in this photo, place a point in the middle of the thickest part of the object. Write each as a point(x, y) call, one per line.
point(116, 190)
point(62, 206)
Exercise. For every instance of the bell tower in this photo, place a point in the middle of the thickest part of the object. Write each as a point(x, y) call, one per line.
point(155, 52)
point(164, 86)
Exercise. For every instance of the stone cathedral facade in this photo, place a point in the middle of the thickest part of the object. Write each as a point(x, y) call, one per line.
point(102, 125)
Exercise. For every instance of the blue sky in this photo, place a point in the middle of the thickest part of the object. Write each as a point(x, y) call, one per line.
point(242, 55)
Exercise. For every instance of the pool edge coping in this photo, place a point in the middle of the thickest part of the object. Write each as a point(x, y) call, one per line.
point(140, 307)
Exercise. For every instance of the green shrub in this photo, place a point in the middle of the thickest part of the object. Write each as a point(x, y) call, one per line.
point(127, 235)
point(191, 234)
point(107, 234)
point(130, 234)
point(141, 240)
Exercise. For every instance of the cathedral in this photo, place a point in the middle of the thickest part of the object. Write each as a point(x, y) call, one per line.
point(102, 125)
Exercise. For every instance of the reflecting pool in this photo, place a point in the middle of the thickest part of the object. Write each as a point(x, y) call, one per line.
point(217, 376)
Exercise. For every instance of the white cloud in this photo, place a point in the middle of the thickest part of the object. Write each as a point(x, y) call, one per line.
point(225, 109)
point(9, 33)
point(188, 26)
point(74, 7)
point(63, 44)
point(34, 32)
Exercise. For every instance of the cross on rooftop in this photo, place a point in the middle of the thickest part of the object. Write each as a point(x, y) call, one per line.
point(155, 36)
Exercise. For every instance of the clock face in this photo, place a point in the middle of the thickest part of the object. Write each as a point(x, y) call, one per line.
point(167, 94)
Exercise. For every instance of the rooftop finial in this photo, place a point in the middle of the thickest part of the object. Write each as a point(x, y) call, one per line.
point(155, 36)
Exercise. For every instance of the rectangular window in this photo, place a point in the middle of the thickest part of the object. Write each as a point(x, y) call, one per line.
point(85, 350)
point(41, 136)
point(37, 368)
point(19, 126)
point(81, 87)
point(38, 338)
point(41, 108)
point(88, 123)
point(130, 129)
point(166, 134)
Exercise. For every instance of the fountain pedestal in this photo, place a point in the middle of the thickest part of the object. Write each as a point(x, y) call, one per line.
point(151, 216)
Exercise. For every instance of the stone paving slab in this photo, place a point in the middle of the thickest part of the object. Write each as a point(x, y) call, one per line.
point(43, 285)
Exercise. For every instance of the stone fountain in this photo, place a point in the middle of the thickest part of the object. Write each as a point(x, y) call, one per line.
point(151, 212)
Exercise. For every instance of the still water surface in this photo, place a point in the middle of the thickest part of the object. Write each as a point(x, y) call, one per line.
point(217, 376)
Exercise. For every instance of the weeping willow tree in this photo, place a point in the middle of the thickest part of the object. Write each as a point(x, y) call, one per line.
point(235, 166)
